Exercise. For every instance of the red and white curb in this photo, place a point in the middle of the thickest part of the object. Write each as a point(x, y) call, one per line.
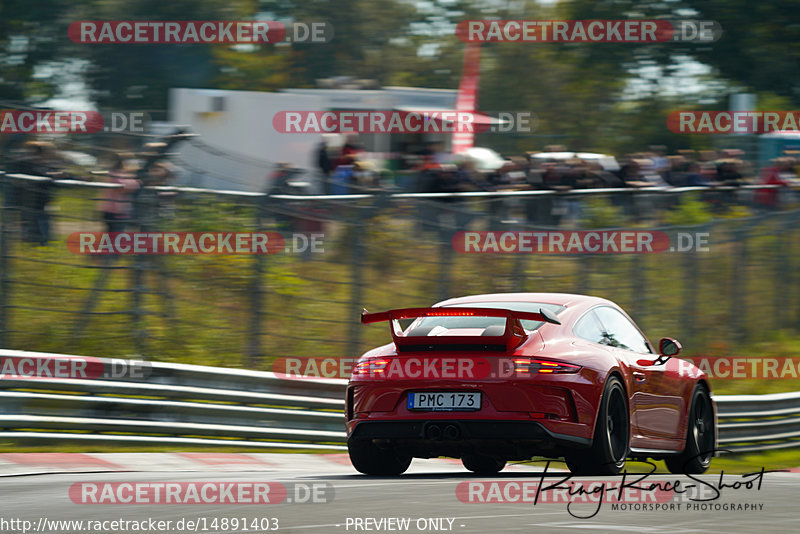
point(320, 464)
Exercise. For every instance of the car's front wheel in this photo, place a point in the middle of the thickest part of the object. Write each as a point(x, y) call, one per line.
point(369, 459)
point(696, 456)
point(609, 448)
point(482, 464)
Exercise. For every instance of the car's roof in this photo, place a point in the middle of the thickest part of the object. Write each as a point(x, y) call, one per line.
point(563, 299)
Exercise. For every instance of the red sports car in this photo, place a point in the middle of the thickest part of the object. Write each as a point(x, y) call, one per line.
point(509, 376)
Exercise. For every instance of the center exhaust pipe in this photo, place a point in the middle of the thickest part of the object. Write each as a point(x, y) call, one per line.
point(433, 432)
point(452, 432)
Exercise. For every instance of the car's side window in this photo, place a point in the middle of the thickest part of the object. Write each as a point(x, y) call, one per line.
point(620, 332)
point(589, 328)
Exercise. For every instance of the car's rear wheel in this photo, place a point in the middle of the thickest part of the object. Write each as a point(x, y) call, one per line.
point(696, 456)
point(609, 448)
point(483, 464)
point(369, 459)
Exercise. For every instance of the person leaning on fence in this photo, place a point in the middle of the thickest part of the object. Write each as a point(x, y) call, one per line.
point(40, 160)
point(116, 205)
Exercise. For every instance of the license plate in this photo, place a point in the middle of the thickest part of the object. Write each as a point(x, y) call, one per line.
point(445, 401)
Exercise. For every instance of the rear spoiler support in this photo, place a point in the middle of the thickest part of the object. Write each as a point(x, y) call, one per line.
point(513, 336)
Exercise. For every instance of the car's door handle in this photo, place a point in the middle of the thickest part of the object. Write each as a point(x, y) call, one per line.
point(639, 377)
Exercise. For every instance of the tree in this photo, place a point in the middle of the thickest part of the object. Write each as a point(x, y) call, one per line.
point(29, 30)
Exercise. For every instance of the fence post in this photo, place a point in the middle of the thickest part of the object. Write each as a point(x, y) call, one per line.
point(794, 243)
point(141, 215)
point(5, 284)
point(357, 288)
point(783, 273)
point(257, 292)
point(691, 274)
point(738, 290)
point(584, 273)
point(518, 273)
point(639, 309)
point(445, 264)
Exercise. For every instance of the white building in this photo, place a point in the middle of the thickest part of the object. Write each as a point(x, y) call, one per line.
point(238, 147)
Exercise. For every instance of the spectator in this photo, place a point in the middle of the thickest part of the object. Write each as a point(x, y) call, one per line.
point(629, 173)
point(117, 205)
point(676, 174)
point(659, 159)
point(343, 177)
point(728, 172)
point(694, 176)
point(324, 165)
point(351, 149)
point(38, 160)
point(781, 173)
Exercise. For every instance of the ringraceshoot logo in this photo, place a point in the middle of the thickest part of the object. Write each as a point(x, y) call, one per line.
point(646, 491)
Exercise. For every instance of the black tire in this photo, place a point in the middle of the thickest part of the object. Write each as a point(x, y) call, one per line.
point(611, 441)
point(482, 464)
point(371, 460)
point(700, 439)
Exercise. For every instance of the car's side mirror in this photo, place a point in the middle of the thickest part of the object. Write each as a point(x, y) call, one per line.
point(669, 347)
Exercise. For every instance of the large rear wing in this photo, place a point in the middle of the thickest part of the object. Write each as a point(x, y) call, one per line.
point(512, 337)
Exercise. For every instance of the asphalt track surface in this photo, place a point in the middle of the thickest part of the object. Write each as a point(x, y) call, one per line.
point(427, 491)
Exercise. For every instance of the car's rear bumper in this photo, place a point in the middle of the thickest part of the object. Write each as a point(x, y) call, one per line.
point(513, 439)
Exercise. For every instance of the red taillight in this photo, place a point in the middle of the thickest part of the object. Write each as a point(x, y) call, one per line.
point(528, 366)
point(375, 366)
point(539, 415)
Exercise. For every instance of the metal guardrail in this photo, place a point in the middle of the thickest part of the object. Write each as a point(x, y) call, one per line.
point(164, 403)
point(177, 404)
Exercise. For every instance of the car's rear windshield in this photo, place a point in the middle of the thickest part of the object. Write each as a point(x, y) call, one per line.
point(485, 322)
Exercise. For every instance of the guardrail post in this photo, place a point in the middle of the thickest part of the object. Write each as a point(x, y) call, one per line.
point(5, 265)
